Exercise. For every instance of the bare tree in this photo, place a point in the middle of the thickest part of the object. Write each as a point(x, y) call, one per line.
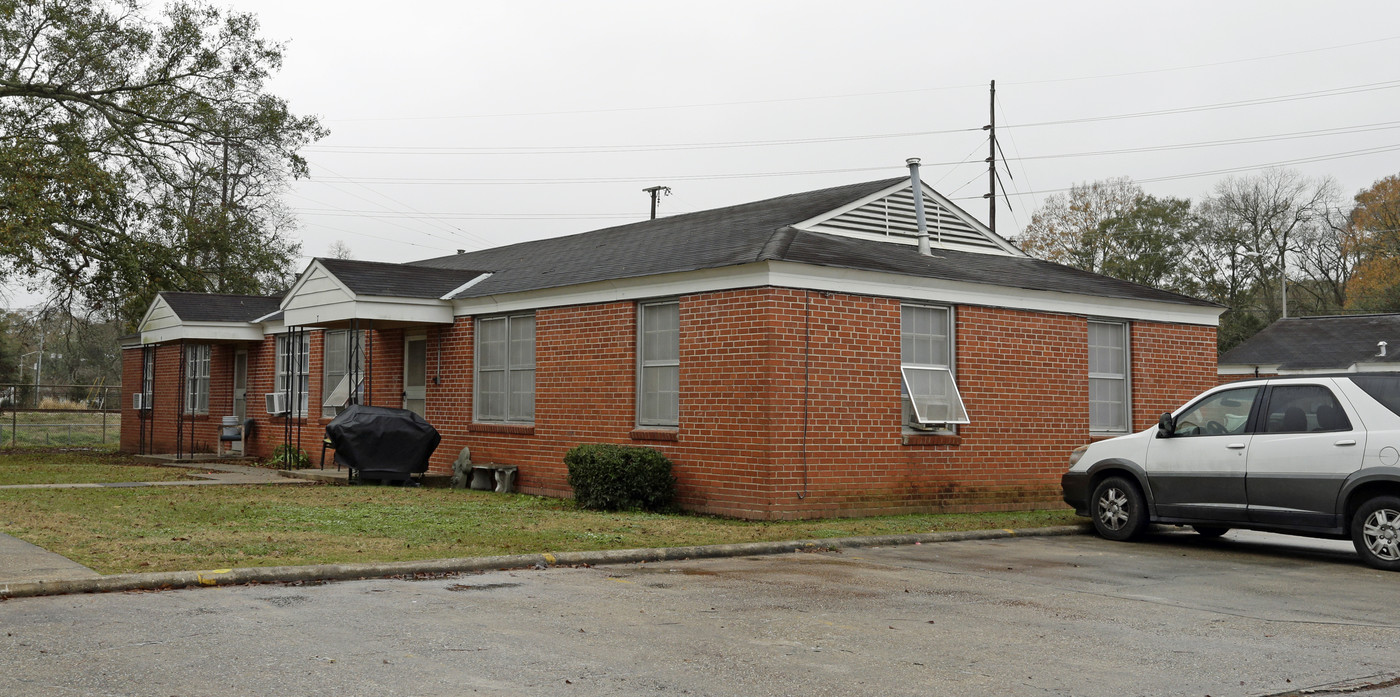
point(1266, 216)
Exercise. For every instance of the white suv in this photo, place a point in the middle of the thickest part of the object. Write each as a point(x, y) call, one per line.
point(1315, 455)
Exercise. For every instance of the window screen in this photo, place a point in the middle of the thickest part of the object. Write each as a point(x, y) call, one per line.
point(1108, 376)
point(197, 379)
point(505, 369)
point(928, 391)
point(659, 358)
point(293, 364)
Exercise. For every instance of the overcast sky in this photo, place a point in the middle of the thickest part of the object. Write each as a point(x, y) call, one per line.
point(463, 125)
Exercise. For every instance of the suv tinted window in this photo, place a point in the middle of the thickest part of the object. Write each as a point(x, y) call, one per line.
point(1303, 409)
point(1219, 414)
point(1384, 388)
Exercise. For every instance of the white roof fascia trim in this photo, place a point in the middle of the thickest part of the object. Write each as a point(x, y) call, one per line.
point(819, 219)
point(1241, 369)
point(805, 276)
point(204, 331)
point(1315, 371)
point(466, 285)
point(264, 318)
point(425, 310)
point(792, 275)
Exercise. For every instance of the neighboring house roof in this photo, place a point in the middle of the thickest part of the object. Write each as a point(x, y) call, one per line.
point(383, 279)
point(1321, 343)
point(764, 231)
point(212, 307)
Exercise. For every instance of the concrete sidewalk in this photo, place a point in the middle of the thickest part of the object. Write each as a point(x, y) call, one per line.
point(209, 473)
point(23, 562)
point(343, 572)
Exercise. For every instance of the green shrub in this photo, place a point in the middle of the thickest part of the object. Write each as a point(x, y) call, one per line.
point(289, 457)
point(610, 477)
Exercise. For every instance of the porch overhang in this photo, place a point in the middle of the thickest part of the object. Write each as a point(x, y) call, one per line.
point(209, 332)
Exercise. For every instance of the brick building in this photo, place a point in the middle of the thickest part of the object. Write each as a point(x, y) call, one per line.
point(794, 357)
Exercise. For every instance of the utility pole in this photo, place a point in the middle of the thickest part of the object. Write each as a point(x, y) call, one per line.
point(992, 163)
point(656, 192)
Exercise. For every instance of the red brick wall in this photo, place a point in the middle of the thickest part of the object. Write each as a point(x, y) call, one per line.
point(1171, 364)
point(754, 362)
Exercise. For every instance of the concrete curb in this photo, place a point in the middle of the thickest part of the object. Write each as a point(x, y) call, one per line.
point(349, 572)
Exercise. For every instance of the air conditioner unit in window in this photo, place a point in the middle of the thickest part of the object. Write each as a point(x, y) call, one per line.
point(918, 425)
point(277, 403)
point(141, 401)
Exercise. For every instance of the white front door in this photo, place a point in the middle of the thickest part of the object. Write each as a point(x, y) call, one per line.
point(415, 374)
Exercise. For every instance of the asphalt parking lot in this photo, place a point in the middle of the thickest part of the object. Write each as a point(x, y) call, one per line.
point(1249, 614)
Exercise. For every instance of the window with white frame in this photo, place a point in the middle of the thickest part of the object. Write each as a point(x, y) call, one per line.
point(928, 391)
point(293, 370)
point(658, 363)
point(197, 379)
point(505, 369)
point(340, 347)
point(1108, 377)
point(148, 375)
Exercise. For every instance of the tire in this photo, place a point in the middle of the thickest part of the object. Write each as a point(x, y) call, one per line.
point(1375, 532)
point(1118, 509)
point(1210, 530)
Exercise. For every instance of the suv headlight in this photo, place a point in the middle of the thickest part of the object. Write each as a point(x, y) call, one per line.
point(1077, 453)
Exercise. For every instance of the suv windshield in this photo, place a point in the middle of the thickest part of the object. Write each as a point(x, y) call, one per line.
point(1384, 388)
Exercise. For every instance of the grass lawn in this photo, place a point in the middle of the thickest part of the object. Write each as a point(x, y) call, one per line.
point(79, 467)
point(184, 528)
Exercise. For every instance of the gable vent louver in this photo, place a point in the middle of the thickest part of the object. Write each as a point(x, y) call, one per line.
point(893, 216)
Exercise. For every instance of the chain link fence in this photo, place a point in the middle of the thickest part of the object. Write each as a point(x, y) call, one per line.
point(60, 415)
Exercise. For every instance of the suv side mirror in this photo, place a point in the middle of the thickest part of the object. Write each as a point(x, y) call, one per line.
point(1166, 426)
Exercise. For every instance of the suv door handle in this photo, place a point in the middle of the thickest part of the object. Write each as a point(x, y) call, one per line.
point(1345, 442)
point(1236, 446)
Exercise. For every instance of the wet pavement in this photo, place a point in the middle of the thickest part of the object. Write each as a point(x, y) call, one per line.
point(1249, 614)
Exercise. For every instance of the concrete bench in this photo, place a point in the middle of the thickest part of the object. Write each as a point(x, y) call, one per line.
point(492, 477)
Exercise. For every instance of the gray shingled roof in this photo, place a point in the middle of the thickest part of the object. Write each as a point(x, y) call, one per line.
point(212, 307)
point(761, 231)
point(376, 278)
point(1320, 343)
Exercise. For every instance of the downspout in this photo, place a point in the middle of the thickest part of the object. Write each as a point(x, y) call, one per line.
point(917, 189)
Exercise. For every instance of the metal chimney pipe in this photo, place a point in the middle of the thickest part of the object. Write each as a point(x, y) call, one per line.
point(918, 190)
point(1381, 345)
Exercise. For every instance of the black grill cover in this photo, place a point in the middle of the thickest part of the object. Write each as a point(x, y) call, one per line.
point(382, 443)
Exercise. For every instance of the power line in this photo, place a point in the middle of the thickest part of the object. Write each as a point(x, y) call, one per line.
point(855, 95)
point(465, 216)
point(588, 149)
point(1233, 170)
point(1259, 101)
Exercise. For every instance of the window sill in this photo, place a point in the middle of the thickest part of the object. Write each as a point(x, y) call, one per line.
point(660, 434)
point(514, 429)
point(932, 439)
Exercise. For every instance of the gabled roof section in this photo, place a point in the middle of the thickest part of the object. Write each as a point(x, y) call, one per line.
point(767, 231)
point(702, 240)
point(889, 216)
point(211, 307)
point(333, 292)
point(382, 279)
point(176, 316)
point(1321, 343)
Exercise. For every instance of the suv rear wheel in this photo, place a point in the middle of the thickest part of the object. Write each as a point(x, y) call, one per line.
point(1118, 509)
point(1375, 531)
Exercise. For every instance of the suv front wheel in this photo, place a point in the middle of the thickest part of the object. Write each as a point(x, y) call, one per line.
point(1118, 509)
point(1375, 531)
